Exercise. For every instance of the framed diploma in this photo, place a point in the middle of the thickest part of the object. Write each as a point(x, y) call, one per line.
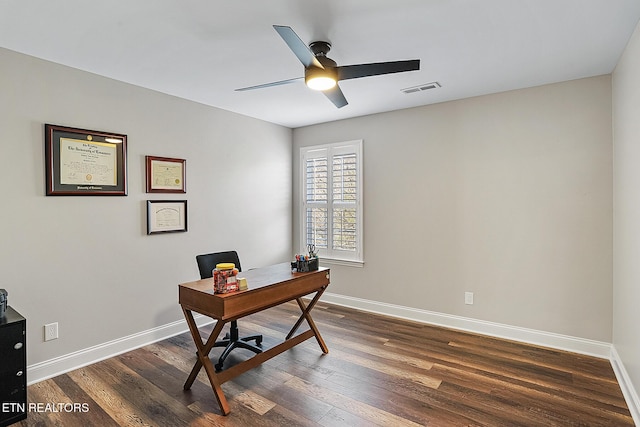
point(82, 162)
point(166, 175)
point(166, 216)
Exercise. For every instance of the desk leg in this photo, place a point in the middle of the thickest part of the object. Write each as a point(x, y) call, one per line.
point(203, 360)
point(306, 314)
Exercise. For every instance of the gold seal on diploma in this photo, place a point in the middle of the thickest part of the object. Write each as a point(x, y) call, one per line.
point(89, 138)
point(89, 177)
point(177, 181)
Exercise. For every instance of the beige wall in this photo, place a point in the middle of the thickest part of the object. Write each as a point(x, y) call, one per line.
point(626, 283)
point(507, 196)
point(86, 262)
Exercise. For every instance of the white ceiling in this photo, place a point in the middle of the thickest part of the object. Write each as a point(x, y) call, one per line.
point(204, 49)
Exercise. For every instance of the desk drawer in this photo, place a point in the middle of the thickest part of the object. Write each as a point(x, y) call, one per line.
point(13, 389)
point(240, 305)
point(12, 348)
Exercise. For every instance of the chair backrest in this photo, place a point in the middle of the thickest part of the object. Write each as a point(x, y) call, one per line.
point(207, 262)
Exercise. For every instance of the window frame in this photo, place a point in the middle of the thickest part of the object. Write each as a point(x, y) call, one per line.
point(337, 256)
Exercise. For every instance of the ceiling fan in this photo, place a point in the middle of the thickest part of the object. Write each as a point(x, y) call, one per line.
point(322, 73)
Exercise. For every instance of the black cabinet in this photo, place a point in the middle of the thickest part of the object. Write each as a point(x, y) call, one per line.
point(13, 368)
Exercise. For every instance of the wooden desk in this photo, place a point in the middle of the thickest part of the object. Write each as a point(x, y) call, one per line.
point(268, 287)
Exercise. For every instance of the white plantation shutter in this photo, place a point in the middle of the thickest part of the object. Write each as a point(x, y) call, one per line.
point(332, 200)
point(316, 185)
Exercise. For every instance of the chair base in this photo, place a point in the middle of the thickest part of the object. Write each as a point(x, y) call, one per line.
point(232, 341)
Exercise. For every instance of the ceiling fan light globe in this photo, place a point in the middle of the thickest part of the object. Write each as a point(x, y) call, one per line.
point(320, 83)
point(320, 78)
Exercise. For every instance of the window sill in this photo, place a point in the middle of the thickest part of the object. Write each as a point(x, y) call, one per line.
point(344, 262)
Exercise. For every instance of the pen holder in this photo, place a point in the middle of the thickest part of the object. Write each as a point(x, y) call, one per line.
point(311, 264)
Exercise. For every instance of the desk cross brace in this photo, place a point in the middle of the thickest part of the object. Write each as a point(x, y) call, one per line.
point(218, 378)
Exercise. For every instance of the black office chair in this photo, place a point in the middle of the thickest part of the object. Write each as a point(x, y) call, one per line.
point(206, 264)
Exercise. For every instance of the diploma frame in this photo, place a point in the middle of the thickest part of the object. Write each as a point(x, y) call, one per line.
point(168, 179)
point(81, 162)
point(166, 216)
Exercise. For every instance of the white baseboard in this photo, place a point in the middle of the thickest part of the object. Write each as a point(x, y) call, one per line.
point(531, 336)
point(59, 365)
point(630, 395)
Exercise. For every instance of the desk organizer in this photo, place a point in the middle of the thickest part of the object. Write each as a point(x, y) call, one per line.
point(311, 264)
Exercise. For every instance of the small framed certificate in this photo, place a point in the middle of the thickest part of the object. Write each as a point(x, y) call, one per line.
point(82, 162)
point(166, 216)
point(166, 175)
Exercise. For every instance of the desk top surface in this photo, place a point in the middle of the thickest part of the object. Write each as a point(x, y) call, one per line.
point(257, 278)
point(10, 316)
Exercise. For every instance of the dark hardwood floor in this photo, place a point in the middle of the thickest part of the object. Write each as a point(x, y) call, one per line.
point(379, 371)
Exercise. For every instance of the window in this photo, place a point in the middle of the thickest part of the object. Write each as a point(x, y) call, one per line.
point(331, 214)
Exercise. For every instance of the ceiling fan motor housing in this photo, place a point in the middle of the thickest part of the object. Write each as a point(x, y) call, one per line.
point(320, 48)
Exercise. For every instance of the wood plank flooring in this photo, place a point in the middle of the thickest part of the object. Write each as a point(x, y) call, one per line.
point(379, 371)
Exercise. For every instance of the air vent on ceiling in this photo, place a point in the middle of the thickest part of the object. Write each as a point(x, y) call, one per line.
point(419, 88)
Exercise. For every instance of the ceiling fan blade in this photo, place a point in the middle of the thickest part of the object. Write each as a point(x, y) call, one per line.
point(281, 82)
point(299, 48)
point(336, 96)
point(347, 72)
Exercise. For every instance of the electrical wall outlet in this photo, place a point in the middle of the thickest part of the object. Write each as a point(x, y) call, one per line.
point(468, 298)
point(51, 331)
